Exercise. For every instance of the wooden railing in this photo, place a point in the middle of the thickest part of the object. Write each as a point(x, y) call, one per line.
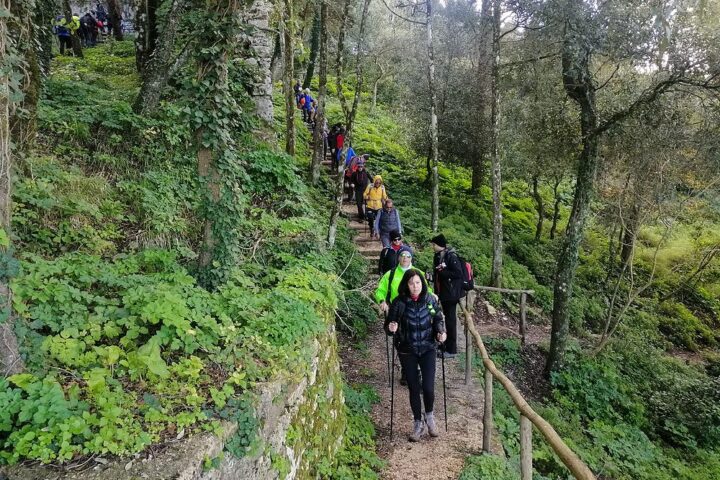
point(528, 417)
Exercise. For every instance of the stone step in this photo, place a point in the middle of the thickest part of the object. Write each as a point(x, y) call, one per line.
point(326, 162)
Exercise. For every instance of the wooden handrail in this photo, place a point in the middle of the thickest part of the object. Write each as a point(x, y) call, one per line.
point(503, 290)
point(576, 466)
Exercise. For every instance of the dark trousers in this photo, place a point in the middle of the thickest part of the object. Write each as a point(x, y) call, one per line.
point(371, 214)
point(426, 361)
point(450, 311)
point(360, 202)
point(65, 42)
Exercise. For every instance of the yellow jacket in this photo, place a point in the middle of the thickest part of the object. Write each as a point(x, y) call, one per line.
point(374, 196)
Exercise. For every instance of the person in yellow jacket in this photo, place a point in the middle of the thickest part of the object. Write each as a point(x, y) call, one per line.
point(64, 30)
point(389, 283)
point(375, 195)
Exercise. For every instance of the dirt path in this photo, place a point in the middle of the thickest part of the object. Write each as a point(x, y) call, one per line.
point(432, 458)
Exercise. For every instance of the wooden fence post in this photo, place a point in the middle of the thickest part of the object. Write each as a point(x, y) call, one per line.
point(488, 413)
point(523, 317)
point(525, 448)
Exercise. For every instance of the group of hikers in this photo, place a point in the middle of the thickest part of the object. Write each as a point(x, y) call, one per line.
point(88, 28)
point(421, 316)
point(420, 309)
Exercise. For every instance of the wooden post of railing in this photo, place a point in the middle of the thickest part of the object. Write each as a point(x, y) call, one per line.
point(468, 349)
point(523, 317)
point(525, 448)
point(488, 413)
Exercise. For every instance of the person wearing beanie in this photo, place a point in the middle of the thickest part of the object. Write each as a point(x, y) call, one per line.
point(374, 196)
point(390, 255)
point(448, 282)
point(387, 220)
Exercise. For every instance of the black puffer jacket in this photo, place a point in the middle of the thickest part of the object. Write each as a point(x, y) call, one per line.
point(419, 322)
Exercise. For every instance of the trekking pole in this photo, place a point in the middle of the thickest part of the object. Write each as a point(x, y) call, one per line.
point(387, 353)
point(392, 386)
point(442, 349)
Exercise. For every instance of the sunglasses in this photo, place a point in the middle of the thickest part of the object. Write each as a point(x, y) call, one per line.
point(406, 255)
point(397, 239)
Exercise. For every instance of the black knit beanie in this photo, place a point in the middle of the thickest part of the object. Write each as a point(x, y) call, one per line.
point(439, 240)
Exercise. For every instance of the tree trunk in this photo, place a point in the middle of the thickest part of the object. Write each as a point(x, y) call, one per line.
point(115, 19)
point(435, 219)
point(556, 209)
point(289, 58)
point(630, 227)
point(44, 16)
point(349, 112)
point(497, 244)
point(485, 61)
point(23, 121)
point(74, 38)
point(10, 360)
point(314, 47)
point(318, 140)
point(577, 80)
point(146, 26)
point(257, 14)
point(157, 69)
point(540, 207)
point(374, 95)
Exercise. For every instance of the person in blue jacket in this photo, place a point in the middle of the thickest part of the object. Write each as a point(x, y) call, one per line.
point(307, 107)
point(386, 221)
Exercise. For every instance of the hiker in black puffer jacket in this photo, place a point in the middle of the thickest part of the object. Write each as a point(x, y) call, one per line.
point(416, 322)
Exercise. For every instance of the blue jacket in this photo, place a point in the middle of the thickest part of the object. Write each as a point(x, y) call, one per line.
point(308, 101)
point(348, 157)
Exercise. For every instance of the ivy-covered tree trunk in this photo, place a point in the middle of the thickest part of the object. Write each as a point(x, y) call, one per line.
point(350, 112)
point(578, 83)
point(74, 38)
point(23, 121)
point(146, 27)
point(497, 237)
point(115, 19)
point(10, 360)
point(288, 77)
point(435, 185)
point(161, 65)
point(44, 17)
point(485, 61)
point(259, 39)
point(318, 140)
point(314, 48)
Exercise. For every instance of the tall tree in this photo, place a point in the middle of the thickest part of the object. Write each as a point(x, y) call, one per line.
point(146, 26)
point(318, 140)
point(435, 185)
point(314, 47)
point(258, 38)
point(115, 19)
point(162, 64)
point(10, 67)
point(583, 35)
point(497, 236)
point(288, 75)
point(349, 112)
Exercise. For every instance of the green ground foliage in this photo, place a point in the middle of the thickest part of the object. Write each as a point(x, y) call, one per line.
point(631, 412)
point(124, 345)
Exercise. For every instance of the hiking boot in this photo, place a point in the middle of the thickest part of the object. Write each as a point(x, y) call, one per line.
point(418, 429)
point(430, 421)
